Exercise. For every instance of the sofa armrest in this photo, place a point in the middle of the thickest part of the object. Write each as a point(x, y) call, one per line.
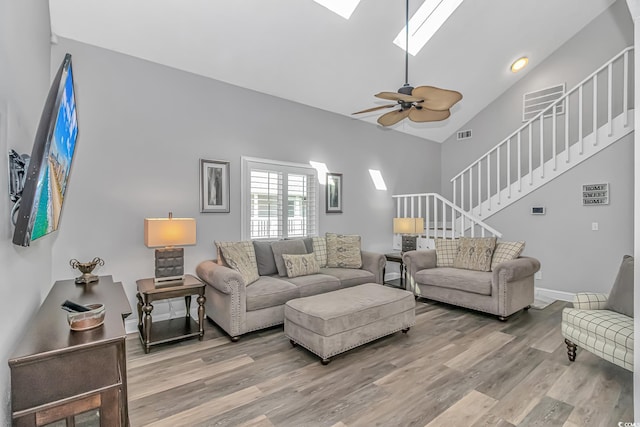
point(224, 279)
point(374, 263)
point(590, 301)
point(419, 260)
point(516, 269)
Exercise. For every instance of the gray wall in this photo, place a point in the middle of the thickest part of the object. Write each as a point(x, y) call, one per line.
point(143, 127)
point(562, 239)
point(25, 273)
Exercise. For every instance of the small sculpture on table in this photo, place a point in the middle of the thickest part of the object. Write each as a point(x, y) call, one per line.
point(86, 268)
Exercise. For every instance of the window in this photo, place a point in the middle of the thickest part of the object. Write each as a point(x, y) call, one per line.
point(279, 199)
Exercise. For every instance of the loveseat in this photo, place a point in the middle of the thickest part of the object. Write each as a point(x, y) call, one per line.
point(240, 303)
point(501, 285)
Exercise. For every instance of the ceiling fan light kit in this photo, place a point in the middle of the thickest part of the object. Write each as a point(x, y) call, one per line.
point(419, 104)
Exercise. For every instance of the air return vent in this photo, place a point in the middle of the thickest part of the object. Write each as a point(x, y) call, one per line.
point(464, 134)
point(534, 102)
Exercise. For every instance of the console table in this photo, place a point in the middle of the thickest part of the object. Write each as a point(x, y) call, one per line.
point(72, 377)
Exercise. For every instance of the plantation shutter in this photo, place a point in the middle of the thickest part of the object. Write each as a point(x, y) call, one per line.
point(280, 200)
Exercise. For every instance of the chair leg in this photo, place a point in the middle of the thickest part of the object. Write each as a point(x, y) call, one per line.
point(571, 350)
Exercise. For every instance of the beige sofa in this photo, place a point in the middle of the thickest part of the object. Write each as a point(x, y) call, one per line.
point(501, 292)
point(238, 308)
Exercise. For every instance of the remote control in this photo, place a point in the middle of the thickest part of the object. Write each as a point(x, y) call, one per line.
point(74, 307)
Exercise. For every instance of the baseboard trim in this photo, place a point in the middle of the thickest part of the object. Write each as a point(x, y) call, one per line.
point(554, 294)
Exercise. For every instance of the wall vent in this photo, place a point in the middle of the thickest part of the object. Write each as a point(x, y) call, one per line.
point(464, 134)
point(534, 102)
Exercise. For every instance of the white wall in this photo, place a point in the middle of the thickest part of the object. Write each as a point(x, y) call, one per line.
point(142, 129)
point(25, 273)
point(562, 239)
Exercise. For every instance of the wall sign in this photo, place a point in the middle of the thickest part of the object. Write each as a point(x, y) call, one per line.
point(595, 194)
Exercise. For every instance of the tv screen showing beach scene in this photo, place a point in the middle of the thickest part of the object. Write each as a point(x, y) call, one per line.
point(52, 155)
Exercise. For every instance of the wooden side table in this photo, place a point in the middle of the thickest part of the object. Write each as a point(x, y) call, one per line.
point(172, 329)
point(397, 257)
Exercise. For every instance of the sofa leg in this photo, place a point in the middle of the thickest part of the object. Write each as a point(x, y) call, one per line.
point(326, 361)
point(405, 330)
point(234, 339)
point(527, 307)
point(293, 343)
point(571, 350)
point(502, 318)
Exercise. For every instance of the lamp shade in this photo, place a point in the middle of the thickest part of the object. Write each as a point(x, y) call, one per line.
point(408, 225)
point(159, 232)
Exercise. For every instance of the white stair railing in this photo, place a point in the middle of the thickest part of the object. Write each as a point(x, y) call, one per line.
point(552, 142)
point(443, 219)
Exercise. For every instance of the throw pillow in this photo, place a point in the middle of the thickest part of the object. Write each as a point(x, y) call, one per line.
point(292, 247)
point(264, 257)
point(238, 258)
point(621, 296)
point(343, 250)
point(475, 253)
point(320, 250)
point(506, 251)
point(300, 265)
point(446, 251)
point(247, 245)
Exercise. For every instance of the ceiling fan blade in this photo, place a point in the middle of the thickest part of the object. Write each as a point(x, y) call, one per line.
point(368, 110)
point(392, 117)
point(435, 98)
point(426, 115)
point(394, 96)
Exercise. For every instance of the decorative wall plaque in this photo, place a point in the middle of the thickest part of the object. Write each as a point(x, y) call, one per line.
point(595, 194)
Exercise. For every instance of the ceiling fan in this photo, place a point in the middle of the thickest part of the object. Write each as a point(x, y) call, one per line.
point(420, 104)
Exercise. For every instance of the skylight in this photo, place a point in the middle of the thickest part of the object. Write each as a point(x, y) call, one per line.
point(378, 181)
point(343, 8)
point(426, 22)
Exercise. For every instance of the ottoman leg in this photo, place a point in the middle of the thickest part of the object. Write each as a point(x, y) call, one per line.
point(326, 361)
point(571, 350)
point(293, 343)
point(404, 331)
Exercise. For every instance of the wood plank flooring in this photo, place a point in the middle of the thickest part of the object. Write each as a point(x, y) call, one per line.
point(454, 368)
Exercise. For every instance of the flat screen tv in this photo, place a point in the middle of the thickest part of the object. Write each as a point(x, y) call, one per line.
point(50, 163)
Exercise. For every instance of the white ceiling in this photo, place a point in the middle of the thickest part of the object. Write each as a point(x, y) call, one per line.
point(301, 51)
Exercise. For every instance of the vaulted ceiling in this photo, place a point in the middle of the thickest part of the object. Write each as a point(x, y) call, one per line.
point(301, 51)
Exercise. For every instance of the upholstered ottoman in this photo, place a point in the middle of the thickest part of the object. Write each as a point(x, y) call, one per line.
point(334, 322)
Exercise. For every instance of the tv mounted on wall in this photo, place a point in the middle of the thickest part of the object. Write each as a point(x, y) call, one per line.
point(39, 206)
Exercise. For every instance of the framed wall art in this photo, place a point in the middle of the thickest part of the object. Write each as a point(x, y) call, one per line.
point(334, 193)
point(214, 186)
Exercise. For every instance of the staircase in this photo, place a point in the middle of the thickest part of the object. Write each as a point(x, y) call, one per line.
point(588, 118)
point(585, 120)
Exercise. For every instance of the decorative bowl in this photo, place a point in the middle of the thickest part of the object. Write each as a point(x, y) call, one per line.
point(82, 321)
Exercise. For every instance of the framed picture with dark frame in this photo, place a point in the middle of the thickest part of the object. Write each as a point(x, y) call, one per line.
point(214, 186)
point(334, 193)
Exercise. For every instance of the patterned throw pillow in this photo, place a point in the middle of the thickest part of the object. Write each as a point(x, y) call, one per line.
point(238, 259)
point(248, 245)
point(475, 253)
point(320, 250)
point(343, 250)
point(300, 265)
point(446, 251)
point(506, 251)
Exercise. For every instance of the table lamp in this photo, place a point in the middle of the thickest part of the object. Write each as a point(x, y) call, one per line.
point(409, 228)
point(167, 233)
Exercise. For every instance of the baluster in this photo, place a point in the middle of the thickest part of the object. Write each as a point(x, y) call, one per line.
point(595, 110)
point(427, 213)
point(412, 207)
point(398, 207)
point(473, 227)
point(489, 181)
point(610, 98)
point(435, 217)
point(625, 90)
point(462, 192)
point(405, 206)
point(498, 174)
point(455, 188)
point(580, 114)
point(444, 220)
point(553, 137)
point(542, 146)
point(470, 189)
point(519, 161)
point(567, 146)
point(480, 187)
point(509, 167)
point(531, 153)
point(453, 223)
point(420, 206)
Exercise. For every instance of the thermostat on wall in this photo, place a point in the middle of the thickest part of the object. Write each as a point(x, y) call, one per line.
point(538, 210)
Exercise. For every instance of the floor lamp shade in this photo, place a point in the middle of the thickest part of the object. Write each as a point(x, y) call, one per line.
point(167, 233)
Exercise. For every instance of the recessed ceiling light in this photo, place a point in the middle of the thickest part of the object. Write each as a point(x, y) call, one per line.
point(343, 8)
point(519, 64)
point(425, 22)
